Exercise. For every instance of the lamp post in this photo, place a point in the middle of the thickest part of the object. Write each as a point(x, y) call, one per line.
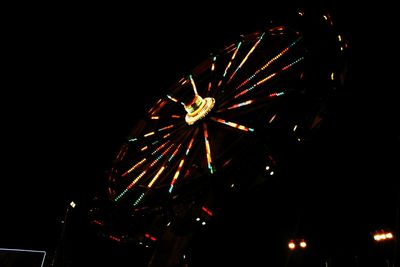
point(56, 255)
point(383, 237)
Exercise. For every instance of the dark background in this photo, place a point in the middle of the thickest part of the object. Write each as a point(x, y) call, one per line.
point(77, 77)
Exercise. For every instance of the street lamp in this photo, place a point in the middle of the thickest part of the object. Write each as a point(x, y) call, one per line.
point(383, 236)
point(295, 243)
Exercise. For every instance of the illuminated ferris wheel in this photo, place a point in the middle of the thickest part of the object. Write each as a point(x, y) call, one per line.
point(209, 136)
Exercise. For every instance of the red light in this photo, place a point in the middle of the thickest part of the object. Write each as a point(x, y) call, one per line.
point(152, 238)
point(114, 238)
point(97, 222)
point(206, 211)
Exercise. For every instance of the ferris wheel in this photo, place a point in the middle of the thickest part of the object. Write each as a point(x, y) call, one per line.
point(215, 134)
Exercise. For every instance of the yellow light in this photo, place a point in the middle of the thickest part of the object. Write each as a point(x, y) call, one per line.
point(389, 235)
point(303, 244)
point(291, 245)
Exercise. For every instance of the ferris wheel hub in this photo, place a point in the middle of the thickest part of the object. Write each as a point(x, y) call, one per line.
point(198, 108)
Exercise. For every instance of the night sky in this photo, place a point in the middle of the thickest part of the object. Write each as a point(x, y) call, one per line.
point(77, 78)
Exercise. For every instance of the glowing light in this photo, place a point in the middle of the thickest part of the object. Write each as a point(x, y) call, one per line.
point(233, 124)
point(233, 57)
point(176, 175)
point(166, 127)
point(206, 211)
point(155, 117)
point(182, 161)
point(149, 134)
point(193, 84)
point(280, 54)
point(388, 235)
point(276, 94)
point(197, 219)
point(157, 107)
point(246, 57)
point(72, 204)
point(339, 38)
point(297, 242)
point(294, 128)
point(212, 69)
point(272, 118)
point(132, 139)
point(130, 186)
point(148, 236)
point(98, 222)
point(114, 238)
point(203, 223)
point(255, 85)
point(267, 168)
point(156, 177)
point(245, 103)
point(332, 76)
point(208, 149)
point(383, 235)
point(138, 200)
point(271, 173)
point(172, 99)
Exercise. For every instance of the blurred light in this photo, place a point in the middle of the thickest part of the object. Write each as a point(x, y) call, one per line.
point(207, 211)
point(297, 243)
point(382, 235)
point(114, 238)
point(267, 168)
point(72, 204)
point(197, 219)
point(203, 223)
point(389, 235)
point(271, 173)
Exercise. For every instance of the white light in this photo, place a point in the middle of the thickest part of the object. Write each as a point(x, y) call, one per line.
point(271, 173)
point(197, 219)
point(72, 204)
point(267, 168)
point(389, 235)
point(203, 223)
point(232, 185)
point(303, 244)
